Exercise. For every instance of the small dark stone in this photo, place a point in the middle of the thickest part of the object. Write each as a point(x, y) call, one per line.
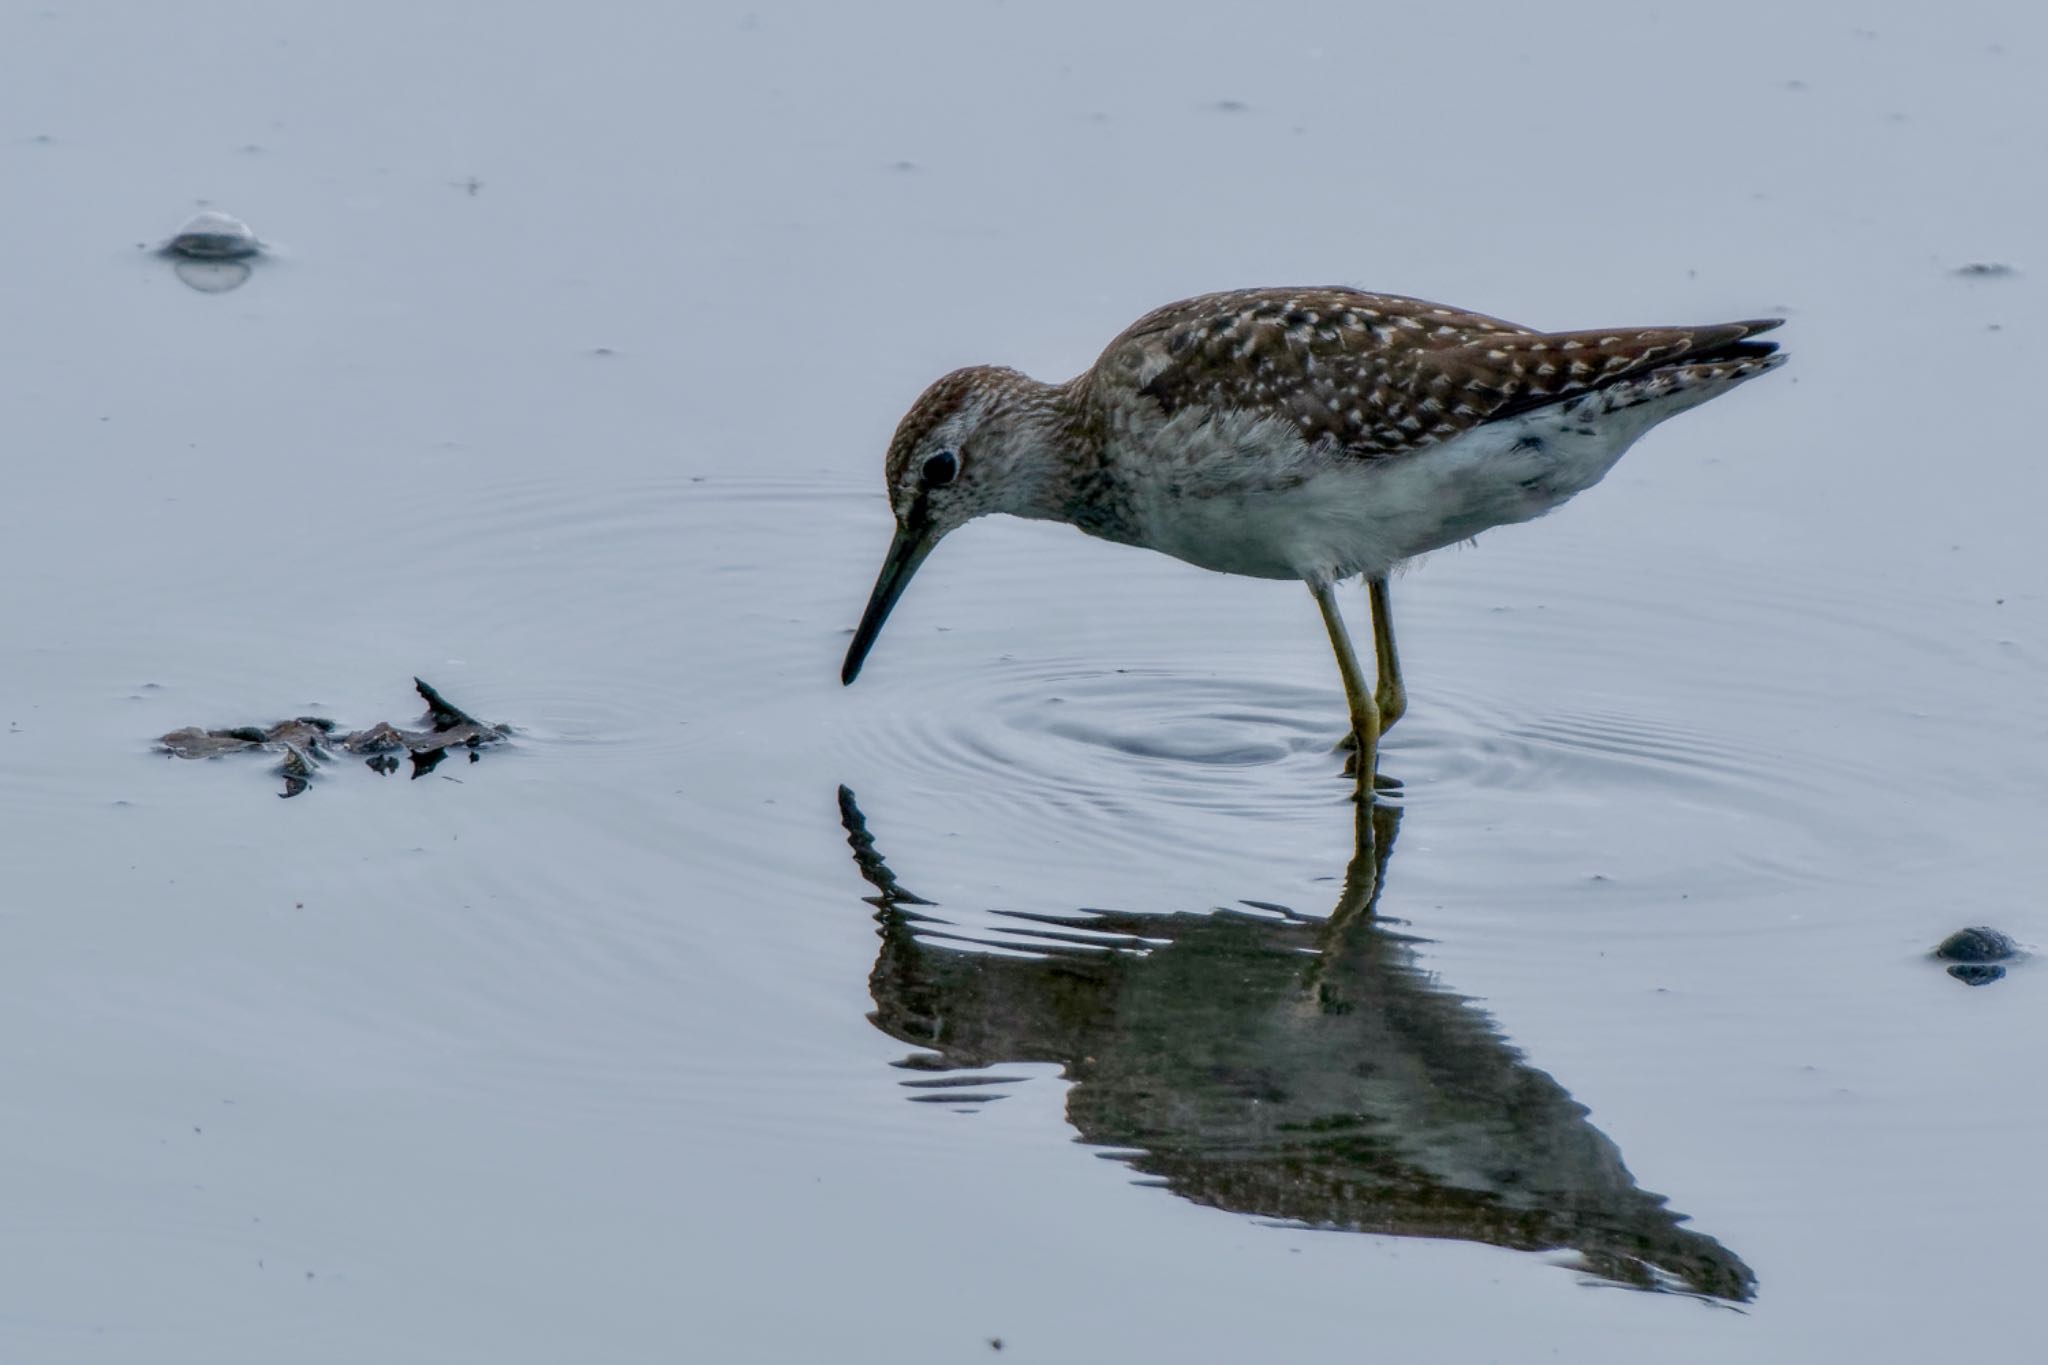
point(1985, 270)
point(1977, 973)
point(1977, 944)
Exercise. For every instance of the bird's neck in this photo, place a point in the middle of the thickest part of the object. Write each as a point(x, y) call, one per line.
point(1041, 434)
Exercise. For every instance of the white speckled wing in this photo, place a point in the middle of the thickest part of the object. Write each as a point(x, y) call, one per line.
point(1374, 375)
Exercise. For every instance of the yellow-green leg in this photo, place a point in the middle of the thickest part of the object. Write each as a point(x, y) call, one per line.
point(1365, 712)
point(1390, 695)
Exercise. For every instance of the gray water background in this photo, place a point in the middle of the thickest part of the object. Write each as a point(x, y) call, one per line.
point(566, 385)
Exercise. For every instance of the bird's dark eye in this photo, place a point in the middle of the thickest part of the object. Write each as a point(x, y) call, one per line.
point(941, 469)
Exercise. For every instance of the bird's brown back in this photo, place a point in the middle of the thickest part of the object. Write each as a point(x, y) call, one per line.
point(1378, 374)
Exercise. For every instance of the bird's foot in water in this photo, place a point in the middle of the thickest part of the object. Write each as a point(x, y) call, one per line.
point(1381, 782)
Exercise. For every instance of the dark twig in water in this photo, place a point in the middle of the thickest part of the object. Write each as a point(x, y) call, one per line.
point(446, 714)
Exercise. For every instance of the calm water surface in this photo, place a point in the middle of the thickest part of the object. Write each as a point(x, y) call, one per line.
point(1041, 988)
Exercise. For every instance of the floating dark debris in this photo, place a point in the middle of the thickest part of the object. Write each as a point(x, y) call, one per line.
point(1985, 270)
point(307, 741)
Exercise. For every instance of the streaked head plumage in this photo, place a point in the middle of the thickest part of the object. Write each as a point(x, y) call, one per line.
point(945, 461)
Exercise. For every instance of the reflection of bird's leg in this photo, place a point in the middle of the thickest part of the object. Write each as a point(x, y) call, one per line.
point(1351, 923)
point(1391, 696)
point(1374, 844)
point(1365, 712)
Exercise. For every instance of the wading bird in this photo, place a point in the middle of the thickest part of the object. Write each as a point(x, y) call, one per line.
point(1317, 434)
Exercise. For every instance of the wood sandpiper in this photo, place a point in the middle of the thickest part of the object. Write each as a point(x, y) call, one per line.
point(1317, 434)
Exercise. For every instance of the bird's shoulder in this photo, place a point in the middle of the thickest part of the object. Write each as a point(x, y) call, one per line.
point(1344, 365)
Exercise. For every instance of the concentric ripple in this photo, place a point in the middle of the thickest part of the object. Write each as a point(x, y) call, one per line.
point(621, 619)
point(682, 633)
point(1535, 680)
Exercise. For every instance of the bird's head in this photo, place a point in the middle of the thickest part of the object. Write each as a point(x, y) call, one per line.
point(971, 445)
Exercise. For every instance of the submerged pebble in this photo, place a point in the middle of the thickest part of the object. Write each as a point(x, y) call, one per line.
point(213, 236)
point(1977, 973)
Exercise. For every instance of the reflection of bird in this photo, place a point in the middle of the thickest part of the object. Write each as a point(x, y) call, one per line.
point(1313, 434)
point(1274, 1064)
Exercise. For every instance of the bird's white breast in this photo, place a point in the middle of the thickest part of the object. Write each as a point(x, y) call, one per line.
point(1244, 494)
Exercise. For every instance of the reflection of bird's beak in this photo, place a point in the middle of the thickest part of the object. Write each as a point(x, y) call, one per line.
point(913, 542)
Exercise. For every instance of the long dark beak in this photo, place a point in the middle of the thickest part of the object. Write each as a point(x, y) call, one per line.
point(913, 542)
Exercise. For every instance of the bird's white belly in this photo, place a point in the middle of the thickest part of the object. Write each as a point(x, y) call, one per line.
point(1253, 499)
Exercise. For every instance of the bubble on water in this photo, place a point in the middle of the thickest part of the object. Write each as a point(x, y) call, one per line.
point(214, 236)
